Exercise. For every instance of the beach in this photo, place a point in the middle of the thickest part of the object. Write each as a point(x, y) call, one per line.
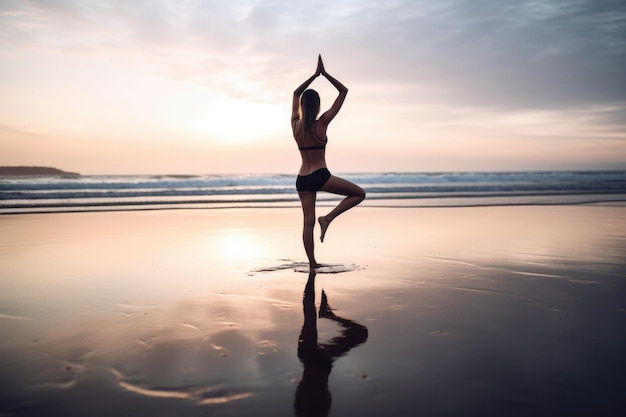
point(437, 311)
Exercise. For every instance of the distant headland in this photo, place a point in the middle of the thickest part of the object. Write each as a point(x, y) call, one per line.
point(23, 170)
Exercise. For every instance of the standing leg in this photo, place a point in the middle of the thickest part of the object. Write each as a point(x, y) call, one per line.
point(354, 195)
point(307, 198)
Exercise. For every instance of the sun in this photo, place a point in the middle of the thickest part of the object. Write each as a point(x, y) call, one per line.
point(238, 120)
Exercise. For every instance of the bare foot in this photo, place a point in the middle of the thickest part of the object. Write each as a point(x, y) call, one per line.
point(323, 225)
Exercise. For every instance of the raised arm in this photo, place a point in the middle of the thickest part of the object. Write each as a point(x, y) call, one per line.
point(295, 106)
point(343, 92)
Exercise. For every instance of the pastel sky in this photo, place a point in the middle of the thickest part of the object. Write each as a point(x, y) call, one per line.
point(201, 87)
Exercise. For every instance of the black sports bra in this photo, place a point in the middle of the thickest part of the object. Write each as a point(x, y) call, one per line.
point(315, 147)
point(312, 148)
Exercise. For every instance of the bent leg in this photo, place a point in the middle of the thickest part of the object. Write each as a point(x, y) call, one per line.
point(354, 195)
point(307, 198)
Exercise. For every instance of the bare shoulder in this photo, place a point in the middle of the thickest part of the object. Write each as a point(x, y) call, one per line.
point(320, 130)
point(330, 114)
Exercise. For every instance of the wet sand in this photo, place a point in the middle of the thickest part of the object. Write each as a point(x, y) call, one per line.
point(433, 311)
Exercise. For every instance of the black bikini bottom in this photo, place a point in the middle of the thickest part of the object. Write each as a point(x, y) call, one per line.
point(314, 181)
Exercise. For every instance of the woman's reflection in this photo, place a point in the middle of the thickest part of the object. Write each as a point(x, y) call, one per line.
point(312, 395)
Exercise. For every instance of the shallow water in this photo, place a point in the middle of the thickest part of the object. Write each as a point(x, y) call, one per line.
point(473, 311)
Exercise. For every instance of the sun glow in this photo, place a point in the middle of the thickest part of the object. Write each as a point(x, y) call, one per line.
point(238, 246)
point(235, 121)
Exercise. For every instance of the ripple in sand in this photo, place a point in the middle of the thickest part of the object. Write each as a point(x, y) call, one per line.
point(285, 305)
point(266, 346)
point(191, 326)
point(543, 275)
point(12, 317)
point(200, 395)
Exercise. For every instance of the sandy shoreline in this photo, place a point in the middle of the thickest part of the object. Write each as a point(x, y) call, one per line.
point(469, 311)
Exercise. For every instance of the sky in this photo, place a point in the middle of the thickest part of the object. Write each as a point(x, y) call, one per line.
point(205, 87)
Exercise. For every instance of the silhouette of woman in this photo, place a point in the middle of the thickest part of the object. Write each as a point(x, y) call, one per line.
point(310, 135)
point(312, 395)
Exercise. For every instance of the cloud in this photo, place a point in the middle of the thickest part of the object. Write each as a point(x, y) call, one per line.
point(493, 56)
point(519, 50)
point(484, 53)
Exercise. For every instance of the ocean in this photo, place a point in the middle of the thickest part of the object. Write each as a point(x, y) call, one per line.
point(40, 194)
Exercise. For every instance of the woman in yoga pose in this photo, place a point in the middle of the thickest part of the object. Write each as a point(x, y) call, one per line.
point(310, 135)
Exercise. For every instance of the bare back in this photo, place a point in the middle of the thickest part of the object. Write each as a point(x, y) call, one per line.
point(312, 159)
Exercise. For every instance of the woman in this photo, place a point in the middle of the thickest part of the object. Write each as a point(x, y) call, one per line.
point(310, 135)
